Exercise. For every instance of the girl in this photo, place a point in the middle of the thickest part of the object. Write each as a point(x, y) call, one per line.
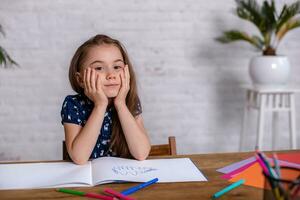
point(104, 118)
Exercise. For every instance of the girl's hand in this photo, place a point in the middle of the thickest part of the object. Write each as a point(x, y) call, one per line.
point(120, 99)
point(93, 87)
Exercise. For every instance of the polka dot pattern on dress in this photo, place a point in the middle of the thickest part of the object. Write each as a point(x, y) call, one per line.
point(76, 109)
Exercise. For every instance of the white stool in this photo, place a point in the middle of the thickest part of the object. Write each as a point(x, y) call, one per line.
point(270, 100)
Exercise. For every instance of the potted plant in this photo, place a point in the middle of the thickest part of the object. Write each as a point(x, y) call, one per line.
point(269, 68)
point(5, 60)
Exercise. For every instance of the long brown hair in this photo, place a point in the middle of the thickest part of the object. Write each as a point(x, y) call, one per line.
point(118, 141)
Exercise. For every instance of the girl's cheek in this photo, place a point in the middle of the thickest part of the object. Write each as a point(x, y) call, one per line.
point(102, 77)
point(99, 74)
point(119, 76)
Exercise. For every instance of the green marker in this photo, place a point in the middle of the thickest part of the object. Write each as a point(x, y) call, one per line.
point(85, 194)
point(79, 193)
point(228, 188)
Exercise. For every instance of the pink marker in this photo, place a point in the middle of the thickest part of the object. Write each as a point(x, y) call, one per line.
point(262, 164)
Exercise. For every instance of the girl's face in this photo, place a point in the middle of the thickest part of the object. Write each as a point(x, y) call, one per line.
point(108, 62)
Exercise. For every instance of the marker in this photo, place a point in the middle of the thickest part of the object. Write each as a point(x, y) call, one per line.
point(270, 169)
point(262, 164)
point(138, 187)
point(117, 194)
point(228, 188)
point(277, 166)
point(85, 194)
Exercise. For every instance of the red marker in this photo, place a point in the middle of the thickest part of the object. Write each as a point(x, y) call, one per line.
point(117, 194)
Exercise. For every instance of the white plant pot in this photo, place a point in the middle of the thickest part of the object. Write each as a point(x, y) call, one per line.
point(269, 70)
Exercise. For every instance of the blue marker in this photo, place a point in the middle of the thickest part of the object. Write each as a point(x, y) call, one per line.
point(228, 188)
point(138, 187)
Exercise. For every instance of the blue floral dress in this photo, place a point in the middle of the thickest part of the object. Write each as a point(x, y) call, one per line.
point(76, 109)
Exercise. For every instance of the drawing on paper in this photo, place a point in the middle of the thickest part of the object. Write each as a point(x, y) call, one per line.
point(129, 170)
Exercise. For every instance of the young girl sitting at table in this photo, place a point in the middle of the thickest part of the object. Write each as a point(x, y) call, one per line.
point(104, 117)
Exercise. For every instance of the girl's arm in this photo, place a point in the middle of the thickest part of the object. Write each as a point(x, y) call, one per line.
point(135, 133)
point(133, 128)
point(80, 141)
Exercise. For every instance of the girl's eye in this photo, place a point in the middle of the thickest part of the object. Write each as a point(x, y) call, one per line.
point(98, 68)
point(117, 67)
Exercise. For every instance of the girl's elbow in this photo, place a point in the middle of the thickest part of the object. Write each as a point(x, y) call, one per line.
point(79, 161)
point(142, 156)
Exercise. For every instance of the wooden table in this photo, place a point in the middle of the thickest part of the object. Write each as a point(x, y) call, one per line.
point(207, 163)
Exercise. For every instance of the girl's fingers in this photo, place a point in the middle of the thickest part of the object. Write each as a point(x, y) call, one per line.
point(83, 77)
point(123, 80)
point(127, 71)
point(93, 80)
point(87, 79)
point(98, 83)
point(127, 76)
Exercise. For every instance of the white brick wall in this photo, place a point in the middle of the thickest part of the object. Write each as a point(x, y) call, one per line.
point(190, 86)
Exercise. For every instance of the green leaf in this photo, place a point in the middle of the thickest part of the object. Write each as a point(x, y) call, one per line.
point(11, 61)
point(258, 41)
point(272, 25)
point(294, 24)
point(234, 35)
point(289, 25)
point(250, 11)
point(287, 13)
point(5, 59)
point(269, 13)
point(2, 57)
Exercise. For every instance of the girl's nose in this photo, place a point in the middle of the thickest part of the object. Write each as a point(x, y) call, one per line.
point(110, 76)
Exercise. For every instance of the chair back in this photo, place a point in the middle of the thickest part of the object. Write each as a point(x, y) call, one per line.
point(164, 149)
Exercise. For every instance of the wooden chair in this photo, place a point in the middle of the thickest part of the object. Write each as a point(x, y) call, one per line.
point(156, 150)
point(164, 149)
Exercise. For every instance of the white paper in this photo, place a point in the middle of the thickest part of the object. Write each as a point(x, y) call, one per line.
point(98, 171)
point(43, 175)
point(166, 170)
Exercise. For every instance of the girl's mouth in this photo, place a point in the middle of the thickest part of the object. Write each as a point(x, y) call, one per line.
point(112, 85)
